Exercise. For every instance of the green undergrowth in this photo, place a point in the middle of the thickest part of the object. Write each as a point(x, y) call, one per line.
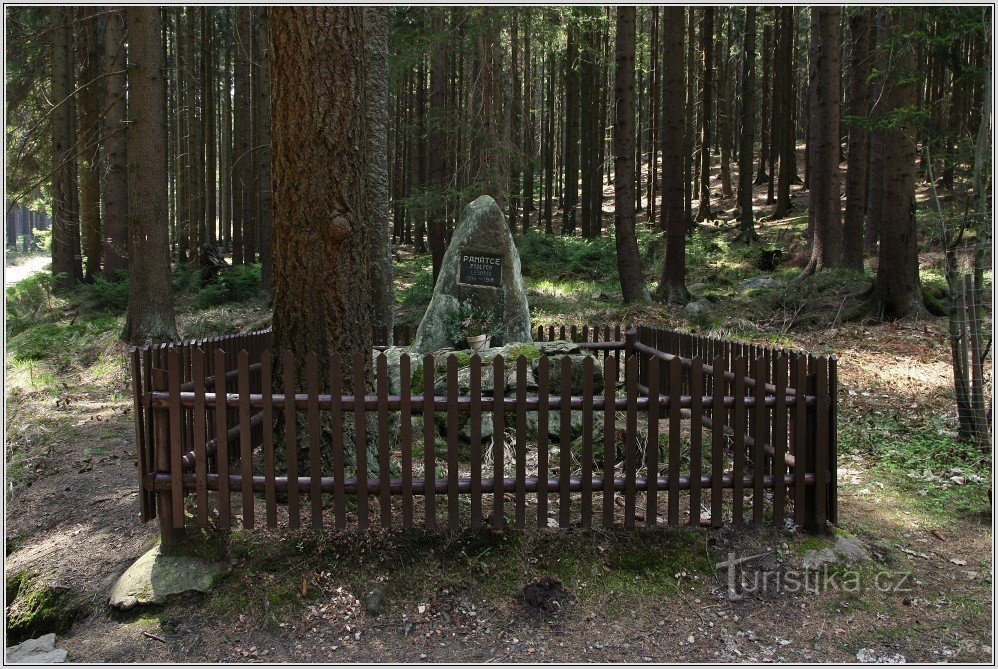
point(277, 573)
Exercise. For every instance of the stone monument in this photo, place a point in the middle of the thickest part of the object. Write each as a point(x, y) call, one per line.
point(481, 269)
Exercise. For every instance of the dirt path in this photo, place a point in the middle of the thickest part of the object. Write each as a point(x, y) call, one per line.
point(21, 271)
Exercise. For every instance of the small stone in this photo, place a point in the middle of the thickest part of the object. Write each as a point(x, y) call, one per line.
point(36, 651)
point(155, 577)
point(699, 311)
point(374, 600)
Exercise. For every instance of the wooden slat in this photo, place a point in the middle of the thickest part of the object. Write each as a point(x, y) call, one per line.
point(651, 451)
point(609, 434)
point(738, 459)
point(520, 511)
point(717, 415)
point(452, 471)
point(266, 388)
point(498, 436)
point(245, 437)
point(675, 436)
point(697, 383)
point(543, 386)
point(290, 437)
point(759, 444)
point(780, 439)
point(405, 371)
point(802, 462)
point(222, 453)
point(384, 454)
point(429, 446)
point(200, 452)
point(630, 439)
point(337, 421)
point(314, 443)
point(177, 491)
point(587, 440)
point(476, 441)
point(360, 443)
point(565, 445)
point(833, 446)
point(821, 442)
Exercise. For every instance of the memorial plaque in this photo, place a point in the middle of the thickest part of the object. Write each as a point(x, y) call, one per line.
point(479, 269)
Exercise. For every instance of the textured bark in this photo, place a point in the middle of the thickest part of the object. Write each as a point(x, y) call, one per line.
point(875, 196)
point(897, 291)
point(590, 123)
point(243, 225)
point(89, 154)
point(66, 261)
point(150, 297)
point(322, 234)
point(766, 92)
point(824, 213)
point(225, 145)
point(857, 169)
point(378, 26)
point(489, 146)
point(183, 135)
point(690, 120)
point(549, 166)
point(262, 151)
point(529, 120)
point(674, 218)
point(725, 105)
point(632, 283)
point(516, 146)
point(783, 135)
point(746, 219)
point(706, 105)
point(208, 122)
point(115, 183)
point(438, 141)
point(570, 192)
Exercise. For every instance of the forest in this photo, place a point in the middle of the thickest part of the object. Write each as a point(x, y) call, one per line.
point(813, 177)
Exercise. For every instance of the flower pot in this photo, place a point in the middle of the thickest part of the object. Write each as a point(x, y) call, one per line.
point(478, 342)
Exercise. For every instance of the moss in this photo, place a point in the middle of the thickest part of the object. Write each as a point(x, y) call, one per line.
point(36, 609)
point(529, 352)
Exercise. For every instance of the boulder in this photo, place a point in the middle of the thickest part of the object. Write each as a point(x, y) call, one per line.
point(155, 577)
point(481, 268)
point(764, 281)
point(699, 311)
point(36, 651)
point(554, 378)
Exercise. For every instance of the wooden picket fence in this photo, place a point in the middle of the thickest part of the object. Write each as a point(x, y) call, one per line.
point(684, 430)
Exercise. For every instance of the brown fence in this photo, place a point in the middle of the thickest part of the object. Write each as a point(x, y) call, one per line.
point(640, 425)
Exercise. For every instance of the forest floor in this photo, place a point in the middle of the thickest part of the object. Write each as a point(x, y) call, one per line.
point(915, 497)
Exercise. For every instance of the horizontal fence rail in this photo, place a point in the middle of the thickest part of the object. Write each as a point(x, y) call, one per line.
point(635, 424)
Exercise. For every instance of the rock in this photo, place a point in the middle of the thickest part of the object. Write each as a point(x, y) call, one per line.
point(546, 595)
point(154, 577)
point(697, 289)
point(699, 311)
point(374, 599)
point(480, 238)
point(554, 378)
point(36, 607)
point(36, 651)
point(848, 550)
point(870, 656)
point(558, 347)
point(761, 282)
point(815, 559)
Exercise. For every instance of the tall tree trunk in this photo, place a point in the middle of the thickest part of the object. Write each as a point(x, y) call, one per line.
point(783, 134)
point(225, 143)
point(654, 124)
point(632, 283)
point(725, 105)
point(263, 154)
point(767, 96)
point(897, 291)
point(516, 145)
point(824, 213)
point(857, 169)
point(590, 124)
point(182, 137)
point(690, 120)
point(67, 265)
point(243, 181)
point(529, 120)
point(115, 184)
point(322, 233)
point(89, 154)
point(150, 291)
point(746, 225)
point(706, 104)
point(875, 195)
point(438, 139)
point(208, 77)
point(674, 218)
point(571, 183)
point(549, 167)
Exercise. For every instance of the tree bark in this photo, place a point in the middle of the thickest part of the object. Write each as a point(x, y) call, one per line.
point(549, 166)
point(824, 214)
point(590, 123)
point(857, 168)
point(89, 154)
point(244, 245)
point(322, 232)
point(208, 77)
point(632, 283)
point(115, 184)
point(378, 26)
point(746, 226)
point(438, 138)
point(783, 136)
point(674, 219)
point(706, 105)
point(570, 192)
point(766, 91)
point(150, 296)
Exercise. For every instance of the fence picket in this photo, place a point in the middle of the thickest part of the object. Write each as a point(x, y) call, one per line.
point(222, 445)
point(429, 444)
point(738, 458)
point(717, 415)
point(267, 391)
point(337, 420)
point(823, 402)
point(290, 438)
point(476, 441)
point(780, 439)
point(360, 441)
point(543, 389)
point(384, 456)
point(498, 439)
point(565, 444)
point(697, 383)
point(245, 440)
point(200, 452)
point(405, 372)
point(314, 444)
point(452, 472)
point(630, 439)
point(651, 450)
point(587, 440)
point(675, 436)
point(520, 510)
point(609, 437)
point(802, 462)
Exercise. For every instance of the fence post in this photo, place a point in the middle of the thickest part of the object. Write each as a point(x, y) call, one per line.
point(810, 448)
point(833, 450)
point(170, 536)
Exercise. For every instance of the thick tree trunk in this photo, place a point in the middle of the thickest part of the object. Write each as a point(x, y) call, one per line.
point(766, 91)
point(225, 145)
point(208, 76)
point(150, 295)
point(824, 214)
point(857, 169)
point(262, 151)
point(632, 283)
point(674, 219)
point(322, 232)
point(549, 166)
point(783, 138)
point(690, 119)
point(706, 105)
point(570, 192)
point(529, 124)
point(590, 123)
point(897, 290)
point(67, 264)
point(746, 225)
point(115, 184)
point(438, 141)
point(725, 104)
point(89, 154)
point(243, 168)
